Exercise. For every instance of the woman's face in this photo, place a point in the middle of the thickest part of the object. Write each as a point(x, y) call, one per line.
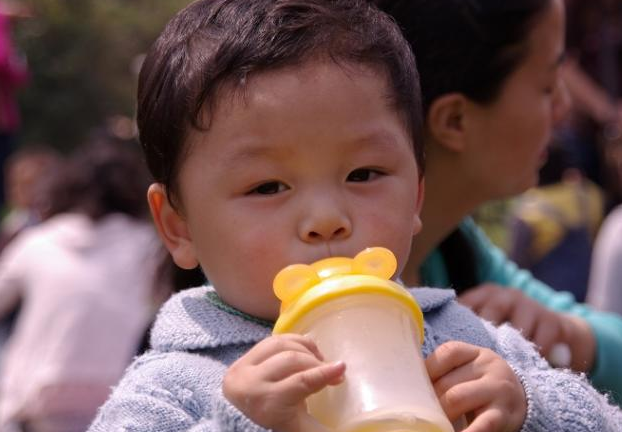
point(507, 138)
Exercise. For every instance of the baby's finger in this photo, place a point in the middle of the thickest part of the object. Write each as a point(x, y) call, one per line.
point(491, 419)
point(462, 374)
point(303, 384)
point(449, 356)
point(285, 342)
point(286, 363)
point(464, 398)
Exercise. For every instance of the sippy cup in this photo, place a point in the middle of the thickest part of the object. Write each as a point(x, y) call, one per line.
point(353, 312)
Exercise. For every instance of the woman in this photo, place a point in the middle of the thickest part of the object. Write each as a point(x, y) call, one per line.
point(490, 75)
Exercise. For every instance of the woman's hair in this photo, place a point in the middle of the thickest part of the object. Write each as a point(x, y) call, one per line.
point(212, 47)
point(465, 46)
point(460, 261)
point(106, 175)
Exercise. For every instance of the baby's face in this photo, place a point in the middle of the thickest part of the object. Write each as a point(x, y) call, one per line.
point(303, 164)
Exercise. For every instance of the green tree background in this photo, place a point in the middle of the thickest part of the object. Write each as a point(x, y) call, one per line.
point(83, 56)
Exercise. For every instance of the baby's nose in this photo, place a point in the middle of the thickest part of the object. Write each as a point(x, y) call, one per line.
point(322, 226)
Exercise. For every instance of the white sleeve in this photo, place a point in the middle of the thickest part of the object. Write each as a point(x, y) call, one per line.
point(13, 262)
point(605, 285)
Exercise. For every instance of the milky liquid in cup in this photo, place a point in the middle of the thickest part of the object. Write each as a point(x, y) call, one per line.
point(386, 387)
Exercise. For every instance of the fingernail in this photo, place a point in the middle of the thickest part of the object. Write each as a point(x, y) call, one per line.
point(338, 363)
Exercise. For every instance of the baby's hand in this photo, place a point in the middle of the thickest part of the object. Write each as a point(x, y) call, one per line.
point(271, 381)
point(476, 382)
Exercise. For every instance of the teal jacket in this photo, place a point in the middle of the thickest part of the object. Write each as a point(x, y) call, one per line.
point(494, 266)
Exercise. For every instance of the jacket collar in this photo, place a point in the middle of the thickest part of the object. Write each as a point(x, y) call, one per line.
point(195, 319)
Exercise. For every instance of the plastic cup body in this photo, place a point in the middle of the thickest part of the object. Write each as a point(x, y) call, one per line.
point(386, 387)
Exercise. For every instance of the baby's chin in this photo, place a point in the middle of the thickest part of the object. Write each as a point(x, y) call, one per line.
point(265, 310)
point(270, 314)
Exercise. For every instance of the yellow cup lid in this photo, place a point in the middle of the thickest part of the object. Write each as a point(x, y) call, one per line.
point(302, 287)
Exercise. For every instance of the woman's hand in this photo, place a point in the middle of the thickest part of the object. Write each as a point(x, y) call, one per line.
point(477, 383)
point(544, 327)
point(271, 381)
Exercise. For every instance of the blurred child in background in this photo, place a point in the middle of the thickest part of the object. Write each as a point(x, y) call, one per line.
point(25, 172)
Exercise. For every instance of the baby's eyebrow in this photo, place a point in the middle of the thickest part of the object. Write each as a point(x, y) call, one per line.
point(243, 153)
point(378, 141)
point(248, 152)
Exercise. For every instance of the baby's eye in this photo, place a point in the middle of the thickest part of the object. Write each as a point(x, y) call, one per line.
point(363, 175)
point(268, 188)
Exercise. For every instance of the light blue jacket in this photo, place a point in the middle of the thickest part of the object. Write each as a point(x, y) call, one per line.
point(494, 266)
point(177, 385)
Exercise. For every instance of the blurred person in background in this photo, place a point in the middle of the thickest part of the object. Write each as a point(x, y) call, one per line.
point(13, 75)
point(25, 171)
point(605, 287)
point(552, 226)
point(86, 279)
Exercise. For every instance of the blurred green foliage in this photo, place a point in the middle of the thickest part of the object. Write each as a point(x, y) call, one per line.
point(83, 56)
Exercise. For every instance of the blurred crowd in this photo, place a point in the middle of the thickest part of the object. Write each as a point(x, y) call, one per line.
point(84, 266)
point(82, 272)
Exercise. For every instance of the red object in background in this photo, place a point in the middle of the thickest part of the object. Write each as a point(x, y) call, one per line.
point(13, 74)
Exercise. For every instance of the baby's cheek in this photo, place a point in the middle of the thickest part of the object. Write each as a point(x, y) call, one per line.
point(393, 231)
point(261, 261)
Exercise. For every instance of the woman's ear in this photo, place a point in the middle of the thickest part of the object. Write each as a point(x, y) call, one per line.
point(172, 228)
point(446, 121)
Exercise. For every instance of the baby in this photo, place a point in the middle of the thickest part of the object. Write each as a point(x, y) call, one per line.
point(283, 132)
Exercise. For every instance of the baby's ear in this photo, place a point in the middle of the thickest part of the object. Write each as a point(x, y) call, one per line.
point(172, 228)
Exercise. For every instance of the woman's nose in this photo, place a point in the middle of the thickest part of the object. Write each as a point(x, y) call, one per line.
point(322, 225)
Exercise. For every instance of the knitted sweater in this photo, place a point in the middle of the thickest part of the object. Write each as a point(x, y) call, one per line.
point(177, 385)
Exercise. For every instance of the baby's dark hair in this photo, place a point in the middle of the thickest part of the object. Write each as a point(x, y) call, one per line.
point(213, 46)
point(466, 46)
